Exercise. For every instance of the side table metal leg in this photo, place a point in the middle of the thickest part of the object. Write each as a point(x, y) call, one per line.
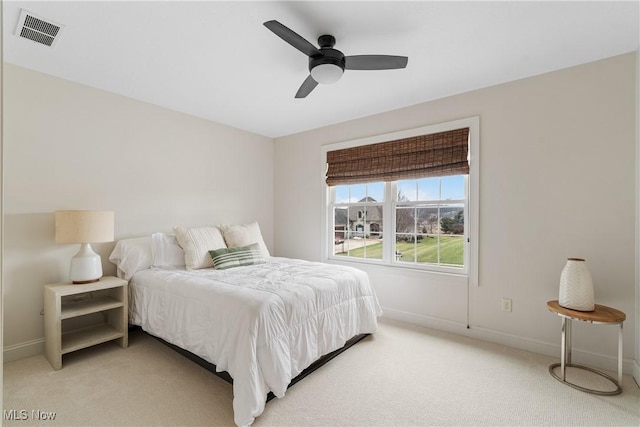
point(620, 356)
point(569, 340)
point(563, 349)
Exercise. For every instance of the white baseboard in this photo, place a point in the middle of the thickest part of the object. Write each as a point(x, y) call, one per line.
point(630, 367)
point(23, 350)
point(596, 360)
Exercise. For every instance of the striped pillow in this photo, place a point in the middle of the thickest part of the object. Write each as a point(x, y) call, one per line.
point(236, 257)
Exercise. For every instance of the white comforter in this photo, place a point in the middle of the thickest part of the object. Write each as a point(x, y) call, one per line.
point(263, 324)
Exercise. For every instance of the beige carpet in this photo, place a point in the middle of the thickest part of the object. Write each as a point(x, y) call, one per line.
point(404, 375)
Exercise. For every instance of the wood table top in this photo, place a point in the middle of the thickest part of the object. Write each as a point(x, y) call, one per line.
point(601, 313)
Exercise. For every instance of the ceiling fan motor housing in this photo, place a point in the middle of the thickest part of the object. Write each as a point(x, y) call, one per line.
point(329, 56)
point(329, 59)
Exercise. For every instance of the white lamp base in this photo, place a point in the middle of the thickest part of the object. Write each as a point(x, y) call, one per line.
point(86, 266)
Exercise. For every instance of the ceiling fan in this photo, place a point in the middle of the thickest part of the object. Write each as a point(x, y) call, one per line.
point(327, 64)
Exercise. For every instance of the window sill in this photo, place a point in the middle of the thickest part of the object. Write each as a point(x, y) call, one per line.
point(404, 267)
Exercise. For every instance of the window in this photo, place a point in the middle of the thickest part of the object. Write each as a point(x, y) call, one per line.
point(430, 225)
point(358, 212)
point(423, 218)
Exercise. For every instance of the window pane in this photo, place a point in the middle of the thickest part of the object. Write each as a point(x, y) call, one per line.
point(427, 219)
point(373, 232)
point(405, 219)
point(367, 248)
point(453, 187)
point(452, 219)
point(341, 193)
point(429, 189)
point(376, 191)
point(338, 243)
point(358, 192)
point(355, 193)
point(405, 248)
point(420, 249)
point(452, 250)
point(407, 191)
point(340, 226)
point(363, 236)
point(436, 238)
point(357, 218)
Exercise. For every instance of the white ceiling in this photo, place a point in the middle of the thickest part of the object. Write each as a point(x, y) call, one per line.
point(217, 61)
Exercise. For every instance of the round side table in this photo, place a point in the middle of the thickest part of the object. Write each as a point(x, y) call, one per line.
point(601, 315)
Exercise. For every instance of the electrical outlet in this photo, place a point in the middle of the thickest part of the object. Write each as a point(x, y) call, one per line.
point(506, 304)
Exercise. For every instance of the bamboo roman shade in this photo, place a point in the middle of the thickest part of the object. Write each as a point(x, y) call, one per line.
point(436, 154)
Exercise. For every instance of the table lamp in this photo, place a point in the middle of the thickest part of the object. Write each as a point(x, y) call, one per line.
point(84, 227)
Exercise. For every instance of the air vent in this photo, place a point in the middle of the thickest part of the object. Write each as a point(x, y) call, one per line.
point(37, 29)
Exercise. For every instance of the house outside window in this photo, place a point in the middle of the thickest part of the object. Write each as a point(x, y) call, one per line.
point(423, 222)
point(358, 214)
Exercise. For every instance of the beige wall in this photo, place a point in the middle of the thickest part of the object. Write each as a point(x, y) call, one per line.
point(69, 146)
point(557, 180)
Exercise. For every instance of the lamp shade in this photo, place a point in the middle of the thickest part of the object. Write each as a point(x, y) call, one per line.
point(84, 226)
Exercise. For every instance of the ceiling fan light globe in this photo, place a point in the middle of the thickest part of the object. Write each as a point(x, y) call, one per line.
point(326, 73)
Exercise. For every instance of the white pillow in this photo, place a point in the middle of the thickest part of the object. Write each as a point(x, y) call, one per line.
point(131, 255)
point(167, 253)
point(244, 235)
point(197, 242)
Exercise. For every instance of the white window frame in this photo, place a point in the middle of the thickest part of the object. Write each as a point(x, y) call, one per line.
point(473, 187)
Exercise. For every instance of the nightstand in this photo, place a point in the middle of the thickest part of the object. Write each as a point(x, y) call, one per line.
point(64, 301)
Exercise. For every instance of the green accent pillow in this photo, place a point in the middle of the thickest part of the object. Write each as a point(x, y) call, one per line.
point(236, 257)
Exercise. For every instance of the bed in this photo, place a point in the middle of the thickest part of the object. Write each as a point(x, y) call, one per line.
point(263, 320)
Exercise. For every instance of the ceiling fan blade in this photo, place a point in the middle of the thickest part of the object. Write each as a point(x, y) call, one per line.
point(293, 38)
point(374, 62)
point(307, 86)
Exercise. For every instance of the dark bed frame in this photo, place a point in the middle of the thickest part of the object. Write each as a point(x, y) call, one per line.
point(225, 375)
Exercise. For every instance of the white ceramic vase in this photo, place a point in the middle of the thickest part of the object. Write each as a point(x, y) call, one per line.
point(576, 286)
